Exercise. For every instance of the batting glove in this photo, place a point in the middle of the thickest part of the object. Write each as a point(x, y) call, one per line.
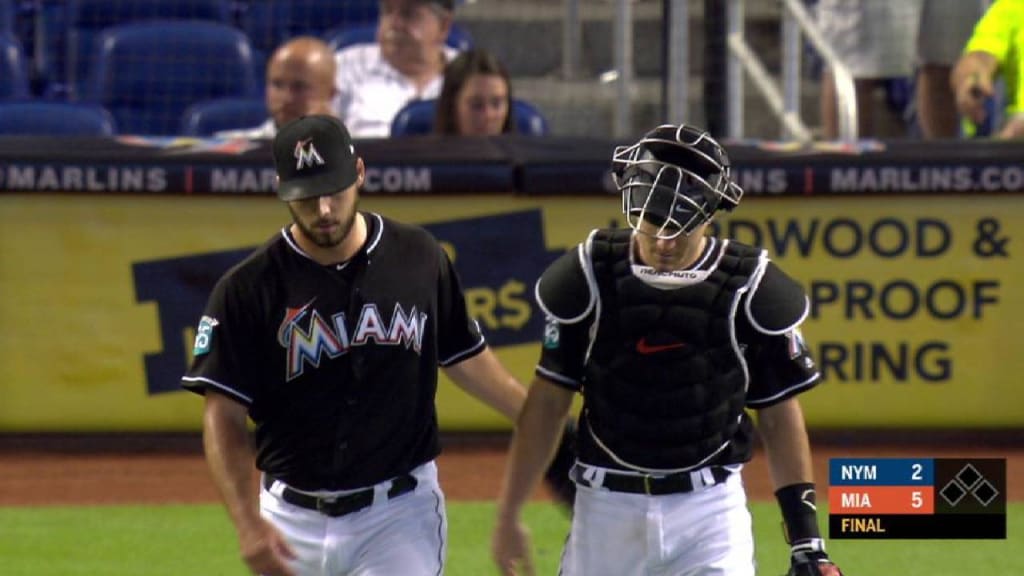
point(808, 558)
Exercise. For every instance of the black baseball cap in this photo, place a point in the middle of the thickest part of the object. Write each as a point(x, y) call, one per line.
point(314, 156)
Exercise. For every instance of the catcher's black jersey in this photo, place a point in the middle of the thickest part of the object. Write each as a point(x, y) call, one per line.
point(337, 364)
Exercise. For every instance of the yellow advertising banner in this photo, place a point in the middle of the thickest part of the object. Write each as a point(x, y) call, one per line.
point(913, 300)
point(915, 304)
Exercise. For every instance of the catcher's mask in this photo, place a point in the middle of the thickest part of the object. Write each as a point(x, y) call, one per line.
point(675, 177)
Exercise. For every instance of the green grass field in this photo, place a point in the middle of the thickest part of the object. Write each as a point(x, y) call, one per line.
point(198, 540)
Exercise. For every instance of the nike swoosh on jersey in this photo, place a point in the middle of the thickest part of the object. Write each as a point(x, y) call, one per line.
point(644, 348)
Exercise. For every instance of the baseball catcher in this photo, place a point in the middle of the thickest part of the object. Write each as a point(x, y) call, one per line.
point(675, 338)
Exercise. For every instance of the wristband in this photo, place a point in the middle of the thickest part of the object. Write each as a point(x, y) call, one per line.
point(799, 512)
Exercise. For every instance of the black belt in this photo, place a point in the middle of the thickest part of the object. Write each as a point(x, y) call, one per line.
point(645, 484)
point(335, 506)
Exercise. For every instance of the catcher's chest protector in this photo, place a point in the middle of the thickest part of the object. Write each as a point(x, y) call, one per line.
point(665, 384)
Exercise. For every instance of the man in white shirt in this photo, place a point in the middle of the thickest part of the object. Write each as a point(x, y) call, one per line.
point(300, 82)
point(374, 81)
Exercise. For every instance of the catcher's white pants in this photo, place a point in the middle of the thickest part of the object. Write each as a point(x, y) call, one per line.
point(706, 532)
point(406, 535)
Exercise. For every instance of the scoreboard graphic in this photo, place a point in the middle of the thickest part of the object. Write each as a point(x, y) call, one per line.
point(917, 498)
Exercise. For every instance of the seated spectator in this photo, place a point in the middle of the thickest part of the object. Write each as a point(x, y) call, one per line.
point(993, 50)
point(871, 38)
point(945, 28)
point(374, 81)
point(476, 97)
point(300, 82)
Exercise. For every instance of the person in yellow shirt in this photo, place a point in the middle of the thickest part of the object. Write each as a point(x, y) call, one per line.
point(993, 51)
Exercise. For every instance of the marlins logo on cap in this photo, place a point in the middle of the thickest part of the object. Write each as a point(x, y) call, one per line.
point(314, 157)
point(306, 154)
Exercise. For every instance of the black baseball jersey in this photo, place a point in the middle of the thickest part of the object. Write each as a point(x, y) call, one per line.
point(765, 319)
point(337, 364)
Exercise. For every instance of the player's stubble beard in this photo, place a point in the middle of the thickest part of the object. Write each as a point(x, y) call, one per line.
point(331, 238)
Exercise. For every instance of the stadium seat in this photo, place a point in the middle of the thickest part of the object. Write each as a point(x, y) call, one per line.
point(206, 118)
point(48, 117)
point(417, 117)
point(148, 73)
point(527, 119)
point(43, 34)
point(7, 17)
point(13, 69)
point(86, 19)
point(313, 17)
point(265, 22)
point(343, 36)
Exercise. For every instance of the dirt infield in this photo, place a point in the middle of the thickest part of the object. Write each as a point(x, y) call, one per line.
point(76, 471)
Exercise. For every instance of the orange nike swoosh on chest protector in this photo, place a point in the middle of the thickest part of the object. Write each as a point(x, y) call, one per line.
point(644, 348)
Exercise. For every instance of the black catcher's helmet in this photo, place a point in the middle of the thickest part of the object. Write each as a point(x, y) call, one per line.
point(675, 177)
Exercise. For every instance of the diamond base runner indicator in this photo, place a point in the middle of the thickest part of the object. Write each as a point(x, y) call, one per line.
point(917, 498)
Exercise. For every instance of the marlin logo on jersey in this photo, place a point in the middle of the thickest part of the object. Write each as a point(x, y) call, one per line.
point(307, 336)
point(204, 335)
point(552, 333)
point(795, 344)
point(306, 155)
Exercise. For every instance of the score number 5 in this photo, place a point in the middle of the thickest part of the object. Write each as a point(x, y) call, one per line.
point(916, 501)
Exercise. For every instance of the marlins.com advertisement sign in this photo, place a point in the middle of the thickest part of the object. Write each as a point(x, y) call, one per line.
point(914, 300)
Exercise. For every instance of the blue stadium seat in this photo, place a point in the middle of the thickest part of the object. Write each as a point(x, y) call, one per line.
point(49, 117)
point(86, 19)
point(148, 73)
point(417, 117)
point(343, 36)
point(7, 16)
point(44, 36)
point(259, 70)
point(13, 69)
point(206, 118)
point(459, 38)
point(528, 119)
point(265, 22)
point(313, 17)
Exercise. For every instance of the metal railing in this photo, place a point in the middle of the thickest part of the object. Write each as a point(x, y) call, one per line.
point(677, 63)
point(622, 45)
point(785, 103)
point(622, 73)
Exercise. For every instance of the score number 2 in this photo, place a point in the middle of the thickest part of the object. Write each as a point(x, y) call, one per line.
point(915, 474)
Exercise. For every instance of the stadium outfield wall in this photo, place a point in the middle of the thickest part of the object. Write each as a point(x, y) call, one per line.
point(906, 251)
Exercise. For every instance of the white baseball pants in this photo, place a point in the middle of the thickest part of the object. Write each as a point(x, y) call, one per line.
point(406, 535)
point(707, 532)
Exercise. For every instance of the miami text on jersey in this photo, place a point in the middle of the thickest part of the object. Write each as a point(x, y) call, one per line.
point(305, 335)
